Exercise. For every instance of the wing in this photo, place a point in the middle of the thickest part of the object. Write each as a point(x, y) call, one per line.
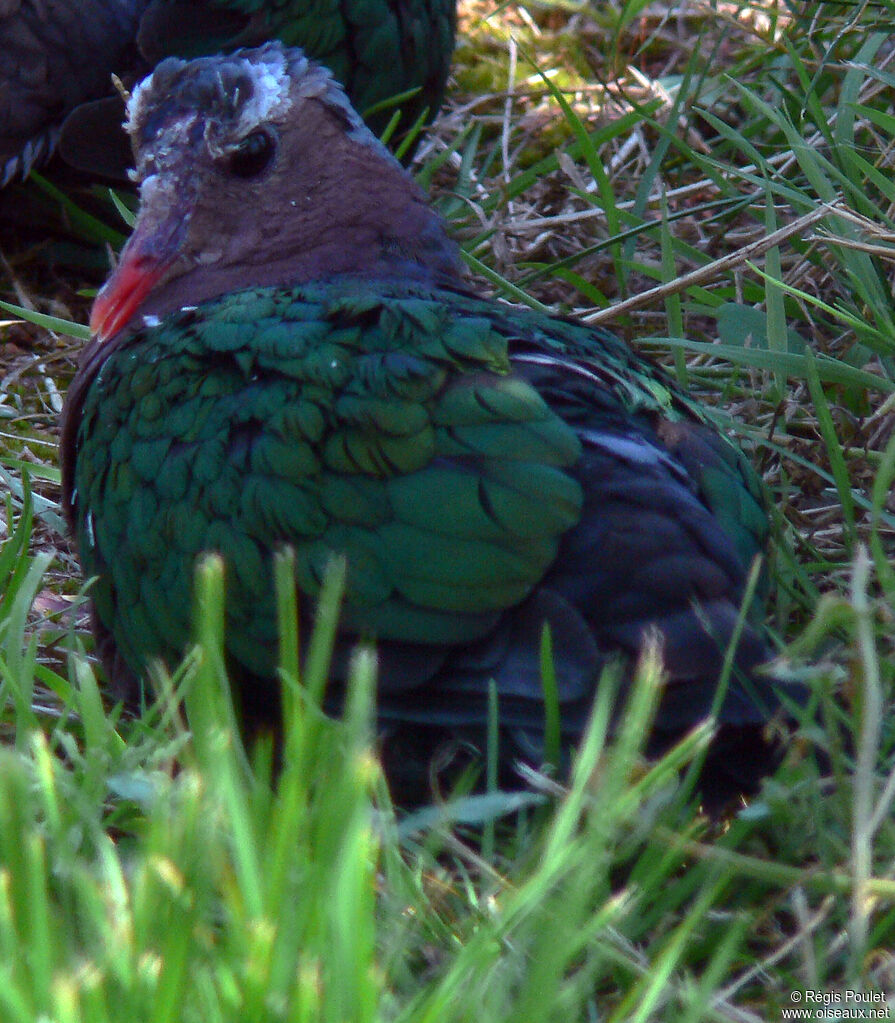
point(670, 523)
point(414, 39)
point(377, 49)
point(387, 430)
point(483, 470)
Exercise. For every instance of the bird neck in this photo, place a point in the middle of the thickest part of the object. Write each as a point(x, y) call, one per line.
point(382, 229)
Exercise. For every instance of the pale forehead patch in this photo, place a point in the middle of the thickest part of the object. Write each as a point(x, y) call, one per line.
point(270, 98)
point(233, 94)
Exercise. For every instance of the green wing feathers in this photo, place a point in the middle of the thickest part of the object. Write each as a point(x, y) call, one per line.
point(378, 49)
point(388, 431)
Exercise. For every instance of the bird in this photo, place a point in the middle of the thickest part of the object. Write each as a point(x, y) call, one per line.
point(53, 56)
point(288, 354)
point(56, 62)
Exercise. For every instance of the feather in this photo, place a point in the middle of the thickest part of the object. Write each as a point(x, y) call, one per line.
point(315, 373)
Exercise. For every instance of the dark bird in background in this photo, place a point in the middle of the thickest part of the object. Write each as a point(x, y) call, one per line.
point(287, 354)
point(56, 56)
point(53, 56)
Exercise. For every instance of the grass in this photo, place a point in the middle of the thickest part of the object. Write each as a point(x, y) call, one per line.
point(716, 180)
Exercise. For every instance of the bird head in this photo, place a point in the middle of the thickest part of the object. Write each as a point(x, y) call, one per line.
point(254, 170)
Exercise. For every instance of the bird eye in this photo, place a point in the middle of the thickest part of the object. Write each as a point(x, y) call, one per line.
point(253, 155)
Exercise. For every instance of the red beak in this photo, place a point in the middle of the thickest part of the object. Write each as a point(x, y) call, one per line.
point(145, 261)
point(121, 296)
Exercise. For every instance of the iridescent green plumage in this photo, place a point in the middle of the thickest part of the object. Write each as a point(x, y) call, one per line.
point(484, 470)
point(377, 49)
point(385, 423)
point(380, 422)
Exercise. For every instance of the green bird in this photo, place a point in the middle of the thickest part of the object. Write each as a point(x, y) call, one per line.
point(377, 49)
point(287, 355)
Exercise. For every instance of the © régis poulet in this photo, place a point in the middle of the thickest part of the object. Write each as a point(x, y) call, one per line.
point(286, 353)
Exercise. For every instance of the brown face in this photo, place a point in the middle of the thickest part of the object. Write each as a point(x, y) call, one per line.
point(209, 160)
point(255, 171)
point(196, 210)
